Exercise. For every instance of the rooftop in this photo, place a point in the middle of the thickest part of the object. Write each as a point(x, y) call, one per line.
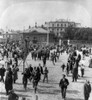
point(37, 29)
point(61, 20)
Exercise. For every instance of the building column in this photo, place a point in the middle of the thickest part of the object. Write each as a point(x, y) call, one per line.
point(48, 38)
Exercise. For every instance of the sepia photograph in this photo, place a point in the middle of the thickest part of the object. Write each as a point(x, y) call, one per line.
point(45, 49)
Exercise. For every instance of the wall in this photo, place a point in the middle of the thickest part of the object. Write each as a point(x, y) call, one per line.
point(39, 36)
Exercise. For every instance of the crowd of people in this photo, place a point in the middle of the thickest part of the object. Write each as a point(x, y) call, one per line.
point(12, 53)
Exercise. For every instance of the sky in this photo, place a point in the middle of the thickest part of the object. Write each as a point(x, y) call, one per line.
point(19, 14)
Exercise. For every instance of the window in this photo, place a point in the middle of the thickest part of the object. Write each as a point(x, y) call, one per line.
point(52, 25)
point(61, 25)
point(57, 25)
point(57, 29)
point(65, 25)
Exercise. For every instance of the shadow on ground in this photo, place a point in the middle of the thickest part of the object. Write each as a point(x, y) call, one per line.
point(2, 93)
point(49, 91)
point(3, 98)
point(46, 86)
point(21, 83)
point(73, 99)
point(72, 91)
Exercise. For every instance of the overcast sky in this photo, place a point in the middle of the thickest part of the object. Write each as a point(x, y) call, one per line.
point(17, 14)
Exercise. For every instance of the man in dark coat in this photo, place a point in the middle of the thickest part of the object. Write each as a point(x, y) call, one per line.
point(8, 81)
point(45, 73)
point(63, 67)
point(75, 73)
point(44, 60)
point(63, 85)
point(15, 73)
point(87, 90)
point(67, 68)
point(25, 78)
point(2, 73)
point(41, 69)
point(35, 79)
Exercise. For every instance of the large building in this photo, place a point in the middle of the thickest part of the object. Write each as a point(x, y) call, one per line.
point(59, 26)
point(11, 36)
point(37, 35)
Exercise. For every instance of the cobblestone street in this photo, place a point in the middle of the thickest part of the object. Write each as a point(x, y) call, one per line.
point(50, 90)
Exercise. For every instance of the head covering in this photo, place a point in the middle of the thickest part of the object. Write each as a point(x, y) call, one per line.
point(64, 75)
point(11, 91)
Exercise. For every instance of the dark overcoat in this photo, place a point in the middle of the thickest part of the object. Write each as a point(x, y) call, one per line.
point(8, 80)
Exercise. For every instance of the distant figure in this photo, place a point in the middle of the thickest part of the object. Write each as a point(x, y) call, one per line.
point(15, 73)
point(45, 73)
point(41, 68)
point(44, 60)
point(25, 78)
point(63, 85)
point(63, 67)
point(87, 90)
point(82, 70)
point(2, 73)
point(12, 95)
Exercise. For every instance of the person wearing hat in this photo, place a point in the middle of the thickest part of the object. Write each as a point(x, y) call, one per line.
point(2, 73)
point(87, 90)
point(63, 85)
point(45, 73)
point(12, 95)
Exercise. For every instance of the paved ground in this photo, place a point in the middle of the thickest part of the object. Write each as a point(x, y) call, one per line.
point(50, 90)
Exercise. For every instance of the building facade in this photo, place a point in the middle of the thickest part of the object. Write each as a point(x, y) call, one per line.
point(58, 27)
point(11, 36)
point(37, 35)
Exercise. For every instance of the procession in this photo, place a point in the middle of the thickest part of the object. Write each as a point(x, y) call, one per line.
point(45, 50)
point(39, 67)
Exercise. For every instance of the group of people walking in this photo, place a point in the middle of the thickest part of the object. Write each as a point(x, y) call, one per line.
point(72, 66)
point(36, 74)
